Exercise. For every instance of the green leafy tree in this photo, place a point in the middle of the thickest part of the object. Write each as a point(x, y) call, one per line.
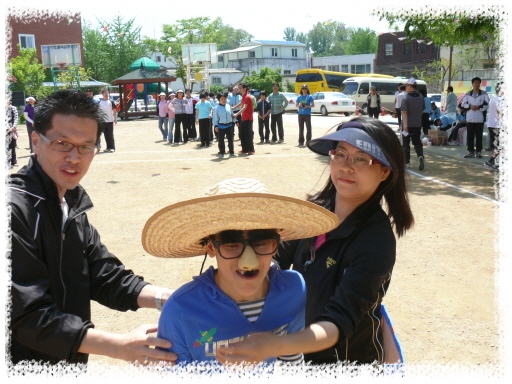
point(290, 34)
point(302, 37)
point(328, 40)
point(109, 54)
point(264, 79)
point(447, 27)
point(434, 75)
point(69, 78)
point(216, 89)
point(361, 41)
point(290, 87)
point(181, 71)
point(29, 74)
point(234, 38)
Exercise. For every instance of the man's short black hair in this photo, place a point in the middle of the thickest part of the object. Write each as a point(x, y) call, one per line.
point(244, 86)
point(230, 89)
point(437, 121)
point(475, 79)
point(400, 84)
point(66, 102)
point(263, 93)
point(498, 87)
point(222, 94)
point(211, 94)
point(203, 95)
point(275, 84)
point(402, 87)
point(450, 88)
point(188, 90)
point(88, 90)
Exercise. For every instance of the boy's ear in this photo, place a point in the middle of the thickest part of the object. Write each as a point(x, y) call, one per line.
point(210, 249)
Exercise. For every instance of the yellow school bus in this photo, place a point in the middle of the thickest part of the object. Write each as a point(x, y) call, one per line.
point(319, 80)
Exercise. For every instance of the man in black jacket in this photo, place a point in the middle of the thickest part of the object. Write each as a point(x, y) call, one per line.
point(412, 108)
point(373, 102)
point(58, 261)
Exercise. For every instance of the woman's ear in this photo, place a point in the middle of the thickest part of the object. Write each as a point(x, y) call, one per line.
point(385, 173)
point(210, 249)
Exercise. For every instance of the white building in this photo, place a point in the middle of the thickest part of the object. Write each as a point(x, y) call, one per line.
point(163, 61)
point(290, 56)
point(363, 63)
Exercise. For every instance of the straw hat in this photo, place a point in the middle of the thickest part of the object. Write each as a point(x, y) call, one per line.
point(235, 204)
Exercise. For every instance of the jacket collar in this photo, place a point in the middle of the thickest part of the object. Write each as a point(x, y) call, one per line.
point(352, 222)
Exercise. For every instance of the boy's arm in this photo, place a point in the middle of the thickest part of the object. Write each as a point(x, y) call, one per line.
point(171, 324)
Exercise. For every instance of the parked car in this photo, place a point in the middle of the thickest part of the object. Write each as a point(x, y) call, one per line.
point(328, 102)
point(436, 98)
point(255, 93)
point(292, 99)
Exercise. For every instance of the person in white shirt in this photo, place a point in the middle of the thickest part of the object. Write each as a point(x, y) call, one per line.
point(476, 101)
point(494, 125)
point(397, 104)
point(109, 108)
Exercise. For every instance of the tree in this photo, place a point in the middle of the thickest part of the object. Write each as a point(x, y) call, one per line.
point(290, 87)
point(289, 34)
point(110, 53)
point(233, 38)
point(446, 27)
point(69, 78)
point(361, 41)
point(468, 56)
point(216, 89)
point(181, 71)
point(29, 73)
point(328, 40)
point(302, 37)
point(264, 79)
point(434, 75)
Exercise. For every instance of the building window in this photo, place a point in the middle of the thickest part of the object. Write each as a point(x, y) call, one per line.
point(389, 49)
point(287, 72)
point(27, 41)
point(352, 68)
point(216, 80)
point(420, 48)
point(344, 68)
point(274, 52)
point(158, 58)
point(252, 54)
point(333, 68)
point(294, 52)
point(408, 48)
point(220, 58)
point(368, 68)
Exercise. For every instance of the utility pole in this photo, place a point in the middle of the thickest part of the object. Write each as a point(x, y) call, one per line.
point(450, 67)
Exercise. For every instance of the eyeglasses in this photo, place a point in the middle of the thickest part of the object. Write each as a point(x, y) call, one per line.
point(262, 247)
point(64, 146)
point(359, 161)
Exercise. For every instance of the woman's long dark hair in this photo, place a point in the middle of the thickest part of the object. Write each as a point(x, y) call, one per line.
point(394, 188)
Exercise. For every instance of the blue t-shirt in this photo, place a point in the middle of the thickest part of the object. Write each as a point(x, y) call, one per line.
point(204, 109)
point(199, 318)
point(428, 105)
point(445, 120)
point(304, 100)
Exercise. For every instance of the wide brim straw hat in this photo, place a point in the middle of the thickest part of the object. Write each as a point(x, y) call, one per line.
point(241, 204)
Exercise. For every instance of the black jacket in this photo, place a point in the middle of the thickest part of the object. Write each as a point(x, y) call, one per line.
point(346, 283)
point(56, 273)
point(369, 100)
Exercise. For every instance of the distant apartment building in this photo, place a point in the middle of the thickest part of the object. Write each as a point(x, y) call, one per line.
point(363, 63)
point(255, 54)
point(397, 57)
point(32, 28)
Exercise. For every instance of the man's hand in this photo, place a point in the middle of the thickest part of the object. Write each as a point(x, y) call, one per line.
point(133, 346)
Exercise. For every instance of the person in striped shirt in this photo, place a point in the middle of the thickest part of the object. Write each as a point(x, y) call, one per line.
point(246, 294)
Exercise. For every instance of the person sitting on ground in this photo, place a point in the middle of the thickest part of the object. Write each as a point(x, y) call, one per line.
point(452, 138)
point(435, 113)
point(245, 294)
point(444, 122)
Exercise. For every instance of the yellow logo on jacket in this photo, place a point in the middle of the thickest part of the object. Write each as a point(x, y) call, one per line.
point(330, 262)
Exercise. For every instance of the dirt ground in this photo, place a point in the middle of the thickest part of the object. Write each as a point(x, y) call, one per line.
point(442, 295)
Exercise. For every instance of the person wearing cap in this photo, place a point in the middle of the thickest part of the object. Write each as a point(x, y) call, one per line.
point(29, 118)
point(170, 116)
point(304, 102)
point(245, 294)
point(412, 108)
point(178, 105)
point(348, 269)
point(58, 262)
point(278, 104)
point(373, 102)
point(162, 115)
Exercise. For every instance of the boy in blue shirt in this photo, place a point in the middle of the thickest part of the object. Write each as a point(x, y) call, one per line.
point(203, 116)
point(245, 294)
point(264, 109)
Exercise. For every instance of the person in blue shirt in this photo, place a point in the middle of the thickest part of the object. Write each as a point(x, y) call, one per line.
point(444, 122)
point(435, 113)
point(223, 123)
point(425, 123)
point(203, 115)
point(234, 99)
point(264, 109)
point(245, 294)
point(305, 102)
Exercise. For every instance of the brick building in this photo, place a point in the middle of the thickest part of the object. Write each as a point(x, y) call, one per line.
point(33, 28)
point(399, 58)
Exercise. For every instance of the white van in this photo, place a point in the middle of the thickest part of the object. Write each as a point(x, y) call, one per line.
point(358, 88)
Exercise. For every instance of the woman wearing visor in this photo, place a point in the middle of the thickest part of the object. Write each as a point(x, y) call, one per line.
point(347, 270)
